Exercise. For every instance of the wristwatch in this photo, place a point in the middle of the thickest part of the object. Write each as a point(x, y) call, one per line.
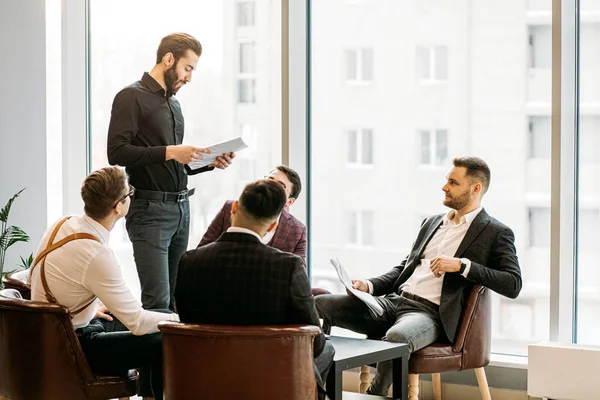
point(463, 265)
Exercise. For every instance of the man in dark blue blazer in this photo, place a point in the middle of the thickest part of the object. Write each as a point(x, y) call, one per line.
point(424, 296)
point(238, 280)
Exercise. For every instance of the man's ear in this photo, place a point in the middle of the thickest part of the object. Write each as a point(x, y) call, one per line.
point(477, 188)
point(234, 207)
point(272, 226)
point(290, 201)
point(168, 59)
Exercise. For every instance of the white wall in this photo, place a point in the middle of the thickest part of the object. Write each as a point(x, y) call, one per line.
point(23, 118)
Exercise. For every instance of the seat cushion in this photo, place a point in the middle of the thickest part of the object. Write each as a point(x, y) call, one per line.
point(106, 387)
point(435, 358)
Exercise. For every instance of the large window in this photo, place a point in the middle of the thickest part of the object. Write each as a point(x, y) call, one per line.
point(588, 286)
point(490, 104)
point(236, 51)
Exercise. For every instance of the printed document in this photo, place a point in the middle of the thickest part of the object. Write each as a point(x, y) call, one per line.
point(232, 145)
point(367, 298)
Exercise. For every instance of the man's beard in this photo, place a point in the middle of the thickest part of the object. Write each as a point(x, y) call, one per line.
point(457, 203)
point(170, 76)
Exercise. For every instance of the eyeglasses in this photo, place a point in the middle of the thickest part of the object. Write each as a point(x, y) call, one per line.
point(129, 194)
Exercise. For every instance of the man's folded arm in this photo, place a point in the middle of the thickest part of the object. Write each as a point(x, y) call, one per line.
point(502, 274)
point(301, 307)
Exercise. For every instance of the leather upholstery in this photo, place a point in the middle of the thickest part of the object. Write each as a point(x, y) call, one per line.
point(18, 281)
point(40, 355)
point(243, 362)
point(472, 345)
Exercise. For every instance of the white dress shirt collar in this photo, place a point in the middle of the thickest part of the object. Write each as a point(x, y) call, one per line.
point(237, 229)
point(103, 233)
point(465, 219)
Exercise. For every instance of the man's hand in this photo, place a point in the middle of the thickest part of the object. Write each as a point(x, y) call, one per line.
point(185, 154)
point(224, 161)
point(360, 285)
point(442, 264)
point(103, 313)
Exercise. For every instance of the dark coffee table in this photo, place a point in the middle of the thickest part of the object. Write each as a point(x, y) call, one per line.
point(352, 353)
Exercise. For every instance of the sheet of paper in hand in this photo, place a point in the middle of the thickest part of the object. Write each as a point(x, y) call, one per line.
point(232, 145)
point(366, 298)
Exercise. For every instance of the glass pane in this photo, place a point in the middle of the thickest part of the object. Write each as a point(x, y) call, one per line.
point(486, 107)
point(367, 228)
point(441, 63)
point(352, 146)
point(245, 13)
point(351, 65)
point(539, 227)
point(588, 279)
point(351, 224)
point(425, 137)
point(367, 146)
point(423, 64)
point(367, 64)
point(540, 137)
point(441, 147)
point(247, 58)
point(121, 51)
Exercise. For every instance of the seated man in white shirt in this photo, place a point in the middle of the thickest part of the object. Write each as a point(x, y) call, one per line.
point(84, 275)
point(423, 297)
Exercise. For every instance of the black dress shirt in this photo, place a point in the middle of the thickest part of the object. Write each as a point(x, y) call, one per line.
point(143, 123)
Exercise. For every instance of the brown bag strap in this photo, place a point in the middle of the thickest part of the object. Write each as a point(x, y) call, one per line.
point(50, 248)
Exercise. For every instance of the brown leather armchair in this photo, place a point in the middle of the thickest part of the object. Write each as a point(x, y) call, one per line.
point(40, 356)
point(18, 281)
point(471, 349)
point(238, 362)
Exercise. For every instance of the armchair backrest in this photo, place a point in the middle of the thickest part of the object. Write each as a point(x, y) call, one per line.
point(40, 356)
point(474, 335)
point(219, 361)
point(18, 280)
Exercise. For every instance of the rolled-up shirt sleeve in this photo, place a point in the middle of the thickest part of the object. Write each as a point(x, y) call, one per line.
point(104, 279)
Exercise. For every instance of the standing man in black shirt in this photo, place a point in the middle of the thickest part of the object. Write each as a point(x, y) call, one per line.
point(145, 135)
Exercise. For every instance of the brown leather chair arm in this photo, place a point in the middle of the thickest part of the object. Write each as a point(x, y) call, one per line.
point(9, 302)
point(271, 331)
point(18, 280)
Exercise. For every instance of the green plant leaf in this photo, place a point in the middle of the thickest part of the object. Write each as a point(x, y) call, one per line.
point(6, 209)
point(12, 235)
point(27, 261)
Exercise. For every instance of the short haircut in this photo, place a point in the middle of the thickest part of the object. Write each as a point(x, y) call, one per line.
point(294, 178)
point(101, 190)
point(262, 200)
point(177, 44)
point(477, 170)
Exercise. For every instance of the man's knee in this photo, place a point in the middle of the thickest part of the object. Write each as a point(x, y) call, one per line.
point(399, 336)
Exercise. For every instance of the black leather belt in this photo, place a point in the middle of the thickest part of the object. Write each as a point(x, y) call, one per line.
point(418, 299)
point(166, 197)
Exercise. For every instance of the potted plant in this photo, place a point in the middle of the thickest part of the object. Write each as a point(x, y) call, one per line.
point(10, 234)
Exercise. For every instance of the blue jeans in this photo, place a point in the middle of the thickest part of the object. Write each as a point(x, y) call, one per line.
point(404, 321)
point(159, 233)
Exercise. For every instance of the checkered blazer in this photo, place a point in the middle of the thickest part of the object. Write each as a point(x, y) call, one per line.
point(237, 280)
point(290, 233)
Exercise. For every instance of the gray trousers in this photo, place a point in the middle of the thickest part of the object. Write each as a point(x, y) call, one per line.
point(404, 321)
point(159, 233)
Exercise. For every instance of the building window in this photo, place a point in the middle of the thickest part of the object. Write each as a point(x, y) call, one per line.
point(245, 12)
point(539, 136)
point(433, 147)
point(540, 46)
point(247, 72)
point(432, 63)
point(539, 227)
point(360, 146)
point(589, 226)
point(359, 65)
point(359, 228)
point(589, 136)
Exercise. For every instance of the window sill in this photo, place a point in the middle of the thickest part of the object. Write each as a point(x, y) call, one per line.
point(508, 361)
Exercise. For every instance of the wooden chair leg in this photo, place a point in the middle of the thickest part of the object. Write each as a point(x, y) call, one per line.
point(364, 379)
point(413, 387)
point(436, 382)
point(483, 384)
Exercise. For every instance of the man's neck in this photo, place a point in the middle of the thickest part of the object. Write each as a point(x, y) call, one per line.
point(259, 230)
point(159, 76)
point(108, 222)
point(464, 211)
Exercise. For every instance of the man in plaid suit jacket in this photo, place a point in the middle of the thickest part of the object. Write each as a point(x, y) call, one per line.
point(238, 280)
point(290, 234)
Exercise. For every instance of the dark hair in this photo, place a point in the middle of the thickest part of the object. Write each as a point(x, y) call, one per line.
point(262, 200)
point(101, 190)
point(294, 179)
point(177, 44)
point(477, 170)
